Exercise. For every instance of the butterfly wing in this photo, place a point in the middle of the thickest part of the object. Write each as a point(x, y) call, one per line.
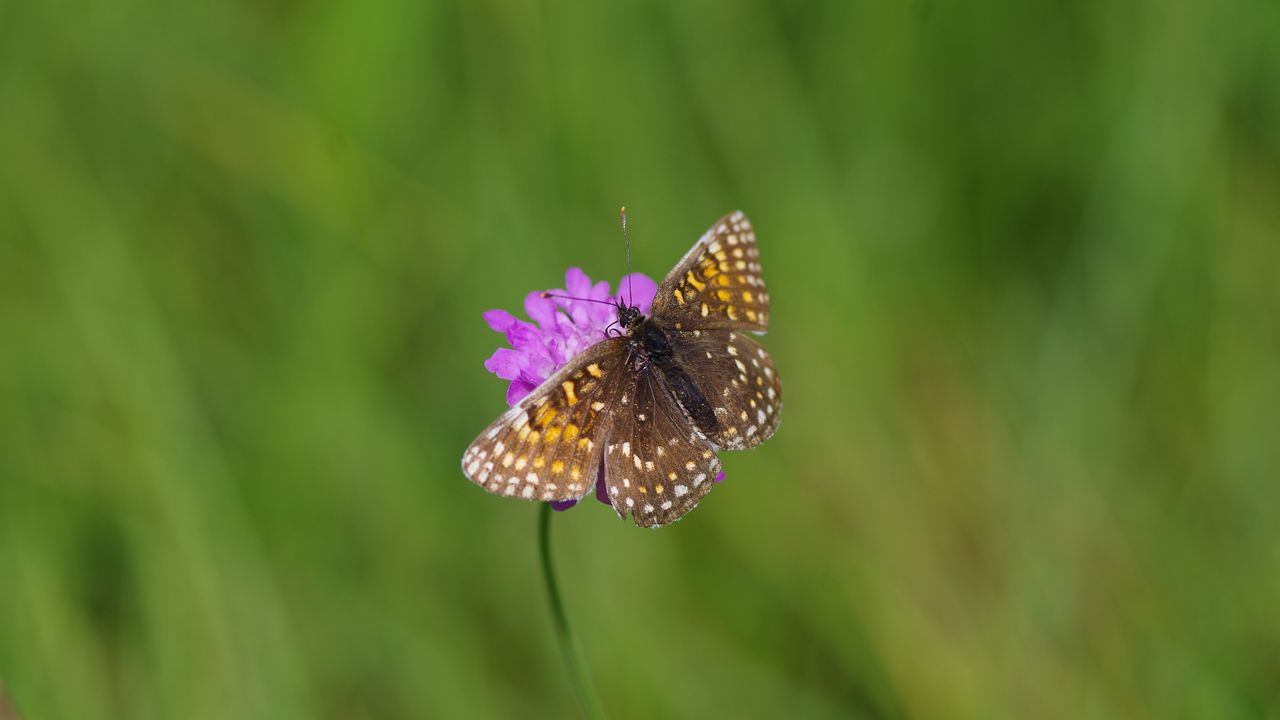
point(738, 379)
point(718, 282)
point(657, 466)
point(548, 447)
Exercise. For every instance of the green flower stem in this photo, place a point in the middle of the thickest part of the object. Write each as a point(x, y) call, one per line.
point(591, 707)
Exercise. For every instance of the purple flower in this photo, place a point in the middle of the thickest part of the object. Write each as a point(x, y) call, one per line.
point(561, 329)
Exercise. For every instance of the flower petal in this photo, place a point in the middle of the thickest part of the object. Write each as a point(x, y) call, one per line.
point(576, 283)
point(602, 493)
point(600, 314)
point(526, 338)
point(541, 310)
point(500, 320)
point(505, 363)
point(518, 390)
point(534, 376)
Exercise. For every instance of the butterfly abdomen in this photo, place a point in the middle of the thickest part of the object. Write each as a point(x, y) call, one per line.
point(691, 399)
point(658, 349)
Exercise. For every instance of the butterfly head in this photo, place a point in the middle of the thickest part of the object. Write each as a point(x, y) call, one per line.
point(629, 316)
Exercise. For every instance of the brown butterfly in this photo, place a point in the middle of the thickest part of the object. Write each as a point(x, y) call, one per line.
point(653, 404)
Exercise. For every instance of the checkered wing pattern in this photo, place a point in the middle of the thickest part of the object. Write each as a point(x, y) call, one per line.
point(739, 381)
point(657, 466)
point(718, 283)
point(548, 447)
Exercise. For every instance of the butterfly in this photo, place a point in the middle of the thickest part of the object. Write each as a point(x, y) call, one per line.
point(654, 402)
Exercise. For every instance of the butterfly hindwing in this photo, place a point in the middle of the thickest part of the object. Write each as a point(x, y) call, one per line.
point(718, 282)
point(548, 447)
point(657, 466)
point(738, 379)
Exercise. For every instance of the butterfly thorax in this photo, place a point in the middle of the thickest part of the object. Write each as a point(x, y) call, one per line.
point(650, 349)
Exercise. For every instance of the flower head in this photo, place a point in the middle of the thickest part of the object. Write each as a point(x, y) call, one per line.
point(562, 328)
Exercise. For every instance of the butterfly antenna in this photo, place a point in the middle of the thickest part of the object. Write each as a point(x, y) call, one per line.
point(627, 239)
point(572, 297)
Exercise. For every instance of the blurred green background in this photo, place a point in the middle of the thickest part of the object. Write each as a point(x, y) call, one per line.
point(1024, 262)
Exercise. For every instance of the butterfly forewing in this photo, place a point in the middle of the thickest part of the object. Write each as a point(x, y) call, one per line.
point(657, 467)
point(548, 447)
point(718, 283)
point(739, 381)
